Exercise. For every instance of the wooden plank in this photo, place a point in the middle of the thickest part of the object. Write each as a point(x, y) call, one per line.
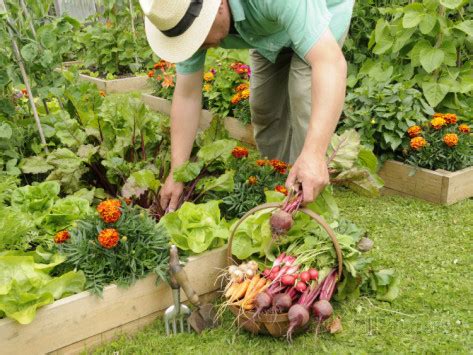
point(84, 316)
point(133, 83)
point(437, 186)
point(239, 131)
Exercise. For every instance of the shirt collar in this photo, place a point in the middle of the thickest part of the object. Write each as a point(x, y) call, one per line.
point(237, 10)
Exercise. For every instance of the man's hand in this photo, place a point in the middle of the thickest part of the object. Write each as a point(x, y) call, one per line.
point(312, 172)
point(170, 194)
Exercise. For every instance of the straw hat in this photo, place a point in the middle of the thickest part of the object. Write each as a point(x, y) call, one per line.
point(176, 29)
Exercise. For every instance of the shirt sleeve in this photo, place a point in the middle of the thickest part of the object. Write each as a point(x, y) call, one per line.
point(304, 21)
point(193, 64)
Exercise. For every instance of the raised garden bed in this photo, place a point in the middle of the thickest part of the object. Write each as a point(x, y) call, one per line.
point(238, 130)
point(437, 186)
point(81, 321)
point(132, 83)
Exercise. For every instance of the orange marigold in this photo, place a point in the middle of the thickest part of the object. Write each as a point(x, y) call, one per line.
point(102, 93)
point(414, 131)
point(236, 98)
point(450, 139)
point(108, 238)
point(109, 210)
point(437, 122)
point(464, 128)
point(61, 237)
point(437, 114)
point(279, 166)
point(150, 73)
point(418, 143)
point(282, 189)
point(450, 118)
point(242, 87)
point(240, 152)
point(252, 180)
point(168, 81)
point(24, 92)
point(262, 162)
point(161, 64)
point(209, 76)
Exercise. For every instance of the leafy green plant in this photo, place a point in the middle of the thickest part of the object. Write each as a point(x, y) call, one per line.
point(27, 284)
point(441, 143)
point(115, 250)
point(382, 112)
point(429, 43)
point(114, 41)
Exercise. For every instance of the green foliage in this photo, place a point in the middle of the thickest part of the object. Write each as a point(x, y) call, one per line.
point(142, 248)
point(111, 45)
point(428, 43)
point(382, 112)
point(196, 228)
point(26, 284)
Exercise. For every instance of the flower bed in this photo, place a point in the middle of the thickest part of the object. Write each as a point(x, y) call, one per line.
point(77, 322)
point(438, 186)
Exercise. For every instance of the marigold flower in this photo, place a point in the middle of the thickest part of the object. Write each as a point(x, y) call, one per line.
point(450, 118)
point(209, 76)
point(168, 81)
point(109, 210)
point(279, 166)
point(102, 93)
point(161, 64)
point(262, 162)
point(236, 98)
point(252, 180)
point(240, 152)
point(207, 87)
point(159, 78)
point(245, 94)
point(450, 139)
point(418, 143)
point(282, 189)
point(464, 128)
point(61, 236)
point(437, 114)
point(242, 87)
point(437, 123)
point(128, 201)
point(150, 73)
point(108, 238)
point(24, 92)
point(414, 131)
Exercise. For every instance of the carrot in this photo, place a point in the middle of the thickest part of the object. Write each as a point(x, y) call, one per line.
point(239, 291)
point(231, 289)
point(251, 295)
point(253, 283)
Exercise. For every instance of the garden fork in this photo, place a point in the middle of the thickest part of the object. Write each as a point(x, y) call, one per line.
point(177, 312)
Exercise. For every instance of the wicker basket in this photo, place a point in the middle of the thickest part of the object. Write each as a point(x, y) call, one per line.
point(274, 324)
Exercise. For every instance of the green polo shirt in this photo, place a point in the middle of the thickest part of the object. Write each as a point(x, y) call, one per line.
point(270, 25)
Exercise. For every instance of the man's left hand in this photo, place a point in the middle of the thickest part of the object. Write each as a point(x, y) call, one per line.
point(312, 172)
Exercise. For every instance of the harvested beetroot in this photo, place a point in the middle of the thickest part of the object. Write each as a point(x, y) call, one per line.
point(280, 222)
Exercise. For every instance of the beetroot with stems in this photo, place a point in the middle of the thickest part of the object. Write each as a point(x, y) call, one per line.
point(281, 302)
point(298, 318)
point(281, 220)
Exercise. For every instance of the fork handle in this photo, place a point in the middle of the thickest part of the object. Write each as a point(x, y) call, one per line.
point(181, 278)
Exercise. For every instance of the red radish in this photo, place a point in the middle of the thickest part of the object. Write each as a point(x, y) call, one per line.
point(266, 273)
point(301, 286)
point(289, 260)
point(276, 269)
point(296, 275)
point(288, 280)
point(314, 274)
point(298, 318)
point(280, 222)
point(305, 276)
point(279, 259)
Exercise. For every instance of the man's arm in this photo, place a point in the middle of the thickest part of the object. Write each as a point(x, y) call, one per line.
point(329, 71)
point(185, 114)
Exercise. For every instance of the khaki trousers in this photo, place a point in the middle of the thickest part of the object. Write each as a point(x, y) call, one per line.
point(280, 103)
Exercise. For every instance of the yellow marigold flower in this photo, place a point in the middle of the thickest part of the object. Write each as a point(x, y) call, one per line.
point(418, 143)
point(245, 94)
point(240, 152)
point(236, 98)
point(207, 87)
point(281, 189)
point(242, 87)
point(108, 238)
point(437, 122)
point(450, 139)
point(61, 237)
point(450, 118)
point(437, 114)
point(414, 131)
point(209, 76)
point(464, 128)
point(102, 93)
point(252, 180)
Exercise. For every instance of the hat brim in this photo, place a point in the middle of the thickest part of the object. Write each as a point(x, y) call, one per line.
point(179, 48)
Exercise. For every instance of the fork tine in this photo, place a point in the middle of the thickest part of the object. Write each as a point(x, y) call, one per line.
point(174, 326)
point(181, 322)
point(167, 327)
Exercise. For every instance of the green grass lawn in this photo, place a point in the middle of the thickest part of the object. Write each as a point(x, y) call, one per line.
point(431, 248)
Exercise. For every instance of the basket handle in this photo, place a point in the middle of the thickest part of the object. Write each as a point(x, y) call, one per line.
point(319, 219)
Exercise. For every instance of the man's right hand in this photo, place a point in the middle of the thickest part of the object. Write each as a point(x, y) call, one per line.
point(170, 194)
